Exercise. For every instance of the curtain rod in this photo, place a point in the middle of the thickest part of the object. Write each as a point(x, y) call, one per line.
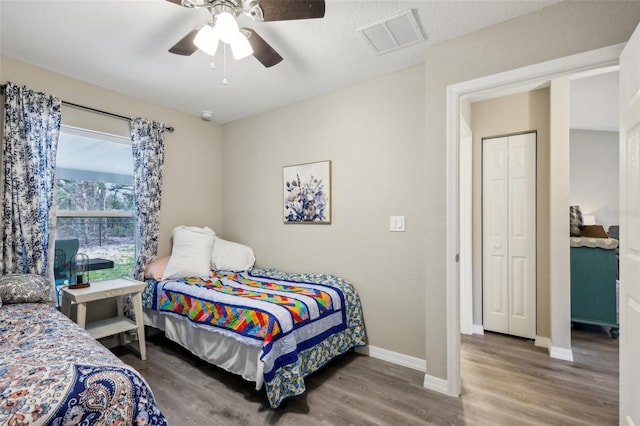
point(99, 111)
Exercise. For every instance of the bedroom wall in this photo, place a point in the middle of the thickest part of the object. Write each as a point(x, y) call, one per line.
point(554, 32)
point(501, 116)
point(369, 133)
point(594, 172)
point(192, 187)
point(374, 135)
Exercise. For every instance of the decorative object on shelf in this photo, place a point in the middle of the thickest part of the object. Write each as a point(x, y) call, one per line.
point(81, 271)
point(307, 193)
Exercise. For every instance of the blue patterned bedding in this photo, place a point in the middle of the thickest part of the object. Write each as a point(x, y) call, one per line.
point(299, 322)
point(52, 372)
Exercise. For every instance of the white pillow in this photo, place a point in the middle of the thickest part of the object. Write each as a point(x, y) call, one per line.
point(230, 256)
point(191, 252)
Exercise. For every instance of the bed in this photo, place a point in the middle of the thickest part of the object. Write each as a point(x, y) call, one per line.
point(268, 326)
point(52, 372)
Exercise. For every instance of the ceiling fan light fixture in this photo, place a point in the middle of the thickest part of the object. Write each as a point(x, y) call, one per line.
point(240, 46)
point(227, 27)
point(207, 40)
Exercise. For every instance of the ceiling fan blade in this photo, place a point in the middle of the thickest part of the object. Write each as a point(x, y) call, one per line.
point(186, 46)
point(285, 10)
point(261, 49)
point(178, 2)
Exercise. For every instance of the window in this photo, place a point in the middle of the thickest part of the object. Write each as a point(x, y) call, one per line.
point(94, 197)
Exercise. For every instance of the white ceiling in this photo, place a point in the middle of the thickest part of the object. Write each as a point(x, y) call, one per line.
point(122, 45)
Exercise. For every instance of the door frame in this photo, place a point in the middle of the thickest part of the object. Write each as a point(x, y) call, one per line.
point(508, 82)
point(466, 226)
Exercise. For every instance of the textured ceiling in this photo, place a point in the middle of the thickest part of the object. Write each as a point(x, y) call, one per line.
point(122, 45)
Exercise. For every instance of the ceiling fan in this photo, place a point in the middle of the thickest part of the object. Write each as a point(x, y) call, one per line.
point(243, 41)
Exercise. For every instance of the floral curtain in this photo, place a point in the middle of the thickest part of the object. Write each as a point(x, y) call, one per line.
point(148, 160)
point(30, 141)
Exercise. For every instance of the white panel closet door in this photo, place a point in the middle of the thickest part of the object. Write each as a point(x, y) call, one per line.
point(495, 266)
point(522, 235)
point(509, 234)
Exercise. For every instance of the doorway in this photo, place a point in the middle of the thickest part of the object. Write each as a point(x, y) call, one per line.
point(505, 83)
point(594, 150)
point(593, 173)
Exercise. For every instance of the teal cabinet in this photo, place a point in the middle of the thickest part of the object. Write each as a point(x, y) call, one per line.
point(593, 287)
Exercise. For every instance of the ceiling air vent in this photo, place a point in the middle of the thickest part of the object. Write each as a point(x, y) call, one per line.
point(393, 33)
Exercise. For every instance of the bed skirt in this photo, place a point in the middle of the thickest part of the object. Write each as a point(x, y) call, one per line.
point(222, 351)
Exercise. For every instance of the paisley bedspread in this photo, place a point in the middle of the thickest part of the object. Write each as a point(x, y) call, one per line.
point(299, 322)
point(52, 372)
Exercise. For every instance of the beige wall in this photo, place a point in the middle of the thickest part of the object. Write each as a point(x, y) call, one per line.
point(373, 133)
point(553, 32)
point(357, 129)
point(192, 187)
point(527, 111)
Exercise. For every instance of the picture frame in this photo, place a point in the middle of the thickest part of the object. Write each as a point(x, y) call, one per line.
point(306, 190)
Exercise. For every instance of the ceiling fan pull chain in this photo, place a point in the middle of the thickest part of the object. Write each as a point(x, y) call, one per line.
point(224, 63)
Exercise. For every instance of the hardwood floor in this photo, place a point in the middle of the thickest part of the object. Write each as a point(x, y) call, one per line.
point(505, 381)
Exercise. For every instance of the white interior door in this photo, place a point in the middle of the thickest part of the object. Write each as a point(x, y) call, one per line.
point(522, 235)
point(495, 266)
point(629, 301)
point(509, 234)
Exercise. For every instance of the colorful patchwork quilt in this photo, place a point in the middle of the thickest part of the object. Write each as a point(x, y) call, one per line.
point(299, 322)
point(52, 372)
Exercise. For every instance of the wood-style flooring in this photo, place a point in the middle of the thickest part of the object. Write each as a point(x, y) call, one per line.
point(505, 381)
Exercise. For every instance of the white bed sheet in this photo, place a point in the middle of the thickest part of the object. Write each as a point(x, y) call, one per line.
point(222, 351)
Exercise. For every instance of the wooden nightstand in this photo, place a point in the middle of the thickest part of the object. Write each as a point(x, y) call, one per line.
point(105, 289)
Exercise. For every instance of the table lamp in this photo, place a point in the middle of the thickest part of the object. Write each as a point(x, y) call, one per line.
point(81, 268)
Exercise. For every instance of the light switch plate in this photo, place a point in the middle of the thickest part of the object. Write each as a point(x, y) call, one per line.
point(396, 223)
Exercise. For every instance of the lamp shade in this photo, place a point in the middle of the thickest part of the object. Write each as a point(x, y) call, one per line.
point(240, 46)
point(227, 27)
point(207, 40)
point(589, 220)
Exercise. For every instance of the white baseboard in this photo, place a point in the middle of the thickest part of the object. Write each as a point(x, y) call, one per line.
point(561, 353)
point(430, 382)
point(437, 384)
point(543, 342)
point(478, 329)
point(393, 357)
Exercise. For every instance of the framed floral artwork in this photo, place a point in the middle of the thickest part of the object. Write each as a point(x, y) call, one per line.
point(307, 193)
